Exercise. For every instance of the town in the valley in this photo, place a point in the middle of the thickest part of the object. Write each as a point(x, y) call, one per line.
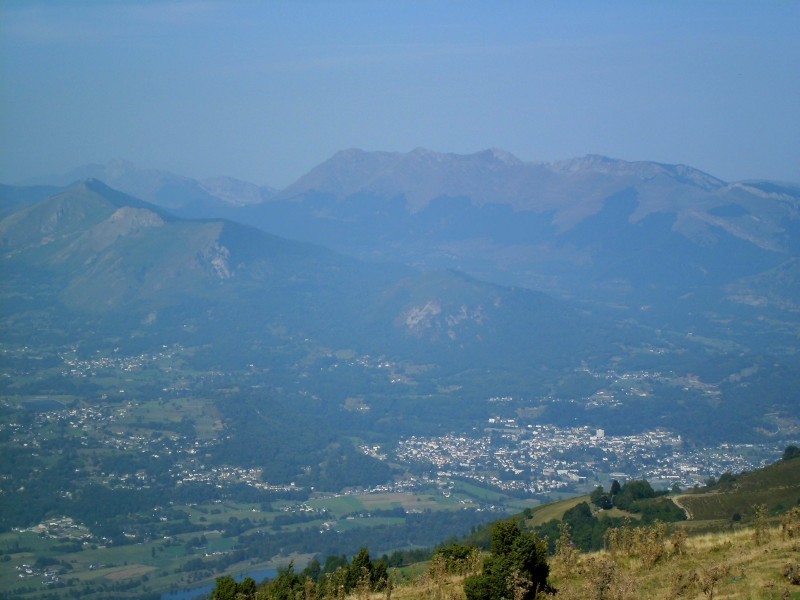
point(522, 459)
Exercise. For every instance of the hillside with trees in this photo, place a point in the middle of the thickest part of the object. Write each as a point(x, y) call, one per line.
point(755, 556)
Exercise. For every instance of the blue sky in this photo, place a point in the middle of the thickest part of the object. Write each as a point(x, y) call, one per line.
point(264, 91)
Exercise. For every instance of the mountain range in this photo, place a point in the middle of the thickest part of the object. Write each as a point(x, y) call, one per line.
point(654, 242)
point(488, 273)
point(589, 226)
point(170, 346)
point(108, 257)
point(164, 188)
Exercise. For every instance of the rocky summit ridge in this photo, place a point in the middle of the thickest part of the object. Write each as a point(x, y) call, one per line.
point(488, 176)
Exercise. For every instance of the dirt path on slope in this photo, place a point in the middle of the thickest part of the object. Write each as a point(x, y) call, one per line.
point(686, 511)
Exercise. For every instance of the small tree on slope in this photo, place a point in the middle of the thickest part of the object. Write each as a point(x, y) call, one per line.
point(516, 568)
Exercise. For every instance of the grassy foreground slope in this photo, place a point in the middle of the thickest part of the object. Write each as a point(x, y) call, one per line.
point(754, 556)
point(720, 565)
point(751, 548)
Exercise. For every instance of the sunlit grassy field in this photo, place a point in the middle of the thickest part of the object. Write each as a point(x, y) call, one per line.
point(722, 565)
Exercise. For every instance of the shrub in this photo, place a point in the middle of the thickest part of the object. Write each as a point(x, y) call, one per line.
point(792, 572)
point(790, 524)
point(761, 527)
point(516, 568)
point(708, 578)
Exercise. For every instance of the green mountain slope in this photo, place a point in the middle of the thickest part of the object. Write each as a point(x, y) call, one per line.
point(107, 256)
point(733, 497)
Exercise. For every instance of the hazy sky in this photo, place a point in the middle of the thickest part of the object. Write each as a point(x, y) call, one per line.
point(264, 91)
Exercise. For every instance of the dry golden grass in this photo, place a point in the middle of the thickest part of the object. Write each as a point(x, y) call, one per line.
point(736, 565)
point(712, 566)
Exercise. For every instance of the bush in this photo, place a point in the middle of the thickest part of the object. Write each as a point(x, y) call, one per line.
point(458, 558)
point(790, 524)
point(792, 572)
point(516, 568)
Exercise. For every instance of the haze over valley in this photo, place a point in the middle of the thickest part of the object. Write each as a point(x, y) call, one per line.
point(642, 322)
point(212, 360)
point(279, 285)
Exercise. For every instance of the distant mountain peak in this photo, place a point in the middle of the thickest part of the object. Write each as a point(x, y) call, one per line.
point(167, 189)
point(571, 188)
point(97, 188)
point(490, 155)
point(422, 151)
point(589, 162)
point(93, 184)
point(596, 163)
point(501, 156)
